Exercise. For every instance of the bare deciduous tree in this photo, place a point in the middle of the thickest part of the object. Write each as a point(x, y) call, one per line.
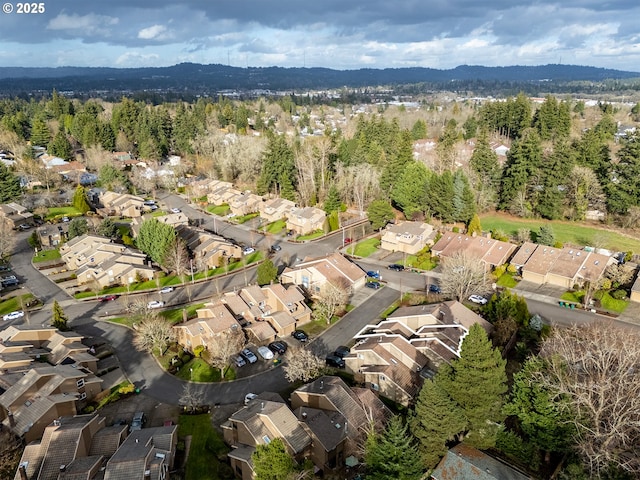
point(191, 398)
point(596, 367)
point(619, 273)
point(302, 364)
point(462, 275)
point(223, 346)
point(327, 305)
point(154, 333)
point(7, 239)
point(358, 184)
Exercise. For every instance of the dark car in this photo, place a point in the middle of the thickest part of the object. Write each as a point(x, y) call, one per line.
point(278, 347)
point(335, 361)
point(434, 288)
point(374, 285)
point(108, 298)
point(300, 336)
point(342, 351)
point(396, 266)
point(276, 248)
point(10, 282)
point(373, 274)
point(138, 421)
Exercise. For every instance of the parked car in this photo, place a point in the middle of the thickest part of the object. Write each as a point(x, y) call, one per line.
point(175, 210)
point(265, 353)
point(300, 335)
point(108, 298)
point(373, 274)
point(276, 248)
point(155, 304)
point(334, 361)
point(5, 268)
point(248, 250)
point(396, 266)
point(13, 315)
point(479, 299)
point(374, 285)
point(347, 241)
point(278, 347)
point(434, 288)
point(239, 361)
point(249, 356)
point(166, 290)
point(248, 397)
point(65, 219)
point(10, 281)
point(24, 226)
point(138, 421)
point(149, 203)
point(342, 351)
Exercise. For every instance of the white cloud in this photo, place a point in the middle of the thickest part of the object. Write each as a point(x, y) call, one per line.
point(154, 32)
point(136, 59)
point(86, 24)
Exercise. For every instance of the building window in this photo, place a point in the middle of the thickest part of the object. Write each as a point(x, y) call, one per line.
point(80, 383)
point(266, 439)
point(82, 396)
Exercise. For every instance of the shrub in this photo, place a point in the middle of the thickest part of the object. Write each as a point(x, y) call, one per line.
point(456, 230)
point(558, 245)
point(198, 351)
point(598, 295)
point(512, 268)
point(126, 389)
point(619, 294)
point(499, 270)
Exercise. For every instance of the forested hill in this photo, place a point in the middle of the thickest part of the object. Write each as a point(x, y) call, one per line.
point(210, 78)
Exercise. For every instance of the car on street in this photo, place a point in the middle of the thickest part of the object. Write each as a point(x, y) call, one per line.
point(248, 397)
point(396, 266)
point(265, 352)
point(149, 203)
point(166, 290)
point(65, 219)
point(248, 250)
point(5, 268)
point(108, 298)
point(155, 304)
point(239, 361)
point(175, 210)
point(374, 285)
point(373, 274)
point(138, 422)
point(13, 315)
point(347, 241)
point(278, 347)
point(479, 299)
point(249, 356)
point(434, 288)
point(24, 226)
point(334, 361)
point(275, 248)
point(300, 335)
point(342, 351)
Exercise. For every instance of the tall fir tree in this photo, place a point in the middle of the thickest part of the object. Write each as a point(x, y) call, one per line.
point(272, 461)
point(332, 202)
point(10, 189)
point(59, 319)
point(80, 200)
point(410, 192)
point(60, 146)
point(440, 196)
point(523, 161)
point(464, 204)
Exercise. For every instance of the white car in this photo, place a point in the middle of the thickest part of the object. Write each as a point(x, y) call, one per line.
point(480, 300)
point(248, 397)
point(265, 353)
point(155, 304)
point(248, 250)
point(166, 290)
point(13, 315)
point(175, 210)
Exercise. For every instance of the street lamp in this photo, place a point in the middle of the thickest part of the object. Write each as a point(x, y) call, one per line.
point(191, 265)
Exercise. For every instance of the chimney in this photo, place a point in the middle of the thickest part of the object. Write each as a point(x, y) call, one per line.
point(63, 468)
point(261, 405)
point(12, 421)
point(147, 474)
point(22, 469)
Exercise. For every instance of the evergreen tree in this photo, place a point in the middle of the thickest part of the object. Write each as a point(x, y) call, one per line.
point(400, 154)
point(546, 235)
point(80, 200)
point(266, 272)
point(436, 420)
point(409, 193)
point(155, 239)
point(40, 135)
point(464, 204)
point(523, 161)
point(390, 454)
point(474, 226)
point(419, 130)
point(624, 192)
point(108, 228)
point(440, 196)
point(554, 172)
point(277, 173)
point(380, 213)
point(271, 461)
point(110, 178)
point(77, 227)
point(59, 319)
point(332, 203)
point(477, 382)
point(60, 146)
point(10, 189)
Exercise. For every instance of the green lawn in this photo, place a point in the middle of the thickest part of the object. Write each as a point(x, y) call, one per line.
point(366, 247)
point(610, 303)
point(311, 236)
point(176, 315)
point(197, 370)
point(276, 227)
point(46, 255)
point(57, 212)
point(158, 213)
point(425, 262)
point(220, 210)
point(207, 447)
point(246, 218)
point(507, 280)
point(13, 304)
point(565, 232)
point(575, 297)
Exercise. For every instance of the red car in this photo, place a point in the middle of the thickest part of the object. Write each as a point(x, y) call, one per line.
point(347, 241)
point(108, 298)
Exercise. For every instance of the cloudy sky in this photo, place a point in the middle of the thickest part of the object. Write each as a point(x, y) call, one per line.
point(341, 34)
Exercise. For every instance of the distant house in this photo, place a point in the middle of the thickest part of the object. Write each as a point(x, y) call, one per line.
point(564, 267)
point(120, 205)
point(53, 235)
point(221, 192)
point(314, 274)
point(306, 220)
point(394, 356)
point(490, 252)
point(15, 215)
point(276, 209)
point(407, 237)
point(209, 251)
point(213, 319)
point(463, 462)
point(244, 203)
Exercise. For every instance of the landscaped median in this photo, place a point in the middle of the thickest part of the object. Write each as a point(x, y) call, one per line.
point(603, 299)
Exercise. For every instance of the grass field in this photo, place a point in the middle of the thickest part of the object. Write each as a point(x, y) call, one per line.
point(13, 304)
point(565, 232)
point(206, 448)
point(276, 227)
point(506, 280)
point(310, 236)
point(56, 212)
point(245, 218)
point(197, 370)
point(46, 255)
point(366, 247)
point(220, 210)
